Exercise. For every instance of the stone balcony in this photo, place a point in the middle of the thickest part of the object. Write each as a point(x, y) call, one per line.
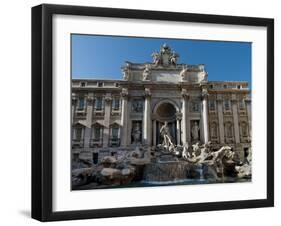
point(96, 143)
point(77, 143)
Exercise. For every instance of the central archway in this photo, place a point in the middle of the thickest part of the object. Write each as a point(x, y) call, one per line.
point(166, 111)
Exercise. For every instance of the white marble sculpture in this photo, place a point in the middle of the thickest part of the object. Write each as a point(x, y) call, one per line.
point(136, 133)
point(146, 73)
point(195, 131)
point(165, 133)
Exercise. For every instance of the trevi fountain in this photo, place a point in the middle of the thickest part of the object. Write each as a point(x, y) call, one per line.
point(164, 164)
point(164, 123)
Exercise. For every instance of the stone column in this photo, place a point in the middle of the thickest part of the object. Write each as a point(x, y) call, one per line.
point(221, 123)
point(178, 118)
point(154, 132)
point(107, 111)
point(89, 111)
point(124, 117)
point(88, 126)
point(184, 110)
point(235, 119)
point(87, 137)
point(147, 117)
point(129, 122)
point(83, 137)
point(204, 116)
point(73, 107)
point(249, 114)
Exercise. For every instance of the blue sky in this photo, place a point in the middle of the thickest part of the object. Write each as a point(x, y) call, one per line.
point(101, 57)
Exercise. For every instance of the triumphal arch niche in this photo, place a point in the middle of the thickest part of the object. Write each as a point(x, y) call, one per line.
point(167, 92)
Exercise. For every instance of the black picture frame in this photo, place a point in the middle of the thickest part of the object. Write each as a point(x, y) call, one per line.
point(42, 111)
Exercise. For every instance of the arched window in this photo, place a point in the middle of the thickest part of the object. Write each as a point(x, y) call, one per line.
point(97, 132)
point(115, 103)
point(227, 105)
point(98, 103)
point(115, 132)
point(81, 103)
point(114, 135)
point(241, 104)
point(78, 132)
point(212, 105)
point(78, 135)
point(97, 135)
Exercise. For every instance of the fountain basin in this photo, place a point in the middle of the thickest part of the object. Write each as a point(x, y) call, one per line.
point(165, 171)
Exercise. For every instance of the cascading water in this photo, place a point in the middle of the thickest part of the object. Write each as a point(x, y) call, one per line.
point(168, 169)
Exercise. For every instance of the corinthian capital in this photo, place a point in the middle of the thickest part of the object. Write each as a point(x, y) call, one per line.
point(204, 93)
point(184, 94)
point(124, 93)
point(147, 92)
point(107, 98)
point(178, 116)
point(73, 99)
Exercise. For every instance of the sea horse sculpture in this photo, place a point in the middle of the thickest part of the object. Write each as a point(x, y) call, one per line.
point(214, 160)
point(201, 155)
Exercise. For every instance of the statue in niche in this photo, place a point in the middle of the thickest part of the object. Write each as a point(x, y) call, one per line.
point(173, 58)
point(165, 133)
point(136, 133)
point(156, 58)
point(137, 106)
point(183, 72)
point(146, 73)
point(195, 131)
point(126, 74)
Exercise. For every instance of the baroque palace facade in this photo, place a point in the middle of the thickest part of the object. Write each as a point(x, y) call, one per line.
point(109, 116)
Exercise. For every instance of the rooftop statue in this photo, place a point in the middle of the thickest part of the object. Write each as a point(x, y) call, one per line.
point(165, 56)
point(146, 73)
point(174, 57)
point(156, 58)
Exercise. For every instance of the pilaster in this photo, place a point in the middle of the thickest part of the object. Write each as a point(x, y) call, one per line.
point(235, 119)
point(204, 115)
point(89, 112)
point(107, 110)
point(220, 118)
point(147, 117)
point(178, 127)
point(124, 117)
point(249, 115)
point(73, 107)
point(154, 132)
point(184, 110)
